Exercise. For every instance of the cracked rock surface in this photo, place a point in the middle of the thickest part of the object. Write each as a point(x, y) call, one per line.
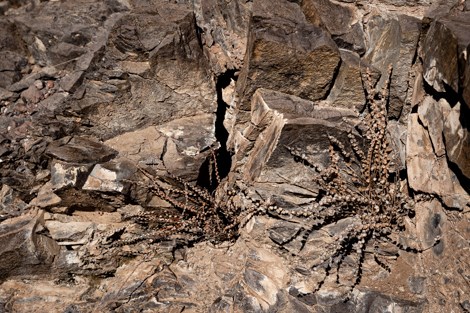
point(113, 113)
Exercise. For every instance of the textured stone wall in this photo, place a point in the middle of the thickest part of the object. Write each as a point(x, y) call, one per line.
point(92, 92)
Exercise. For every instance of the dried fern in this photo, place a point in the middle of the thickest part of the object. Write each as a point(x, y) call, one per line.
point(360, 184)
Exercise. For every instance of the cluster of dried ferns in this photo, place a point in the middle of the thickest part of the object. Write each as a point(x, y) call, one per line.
point(360, 183)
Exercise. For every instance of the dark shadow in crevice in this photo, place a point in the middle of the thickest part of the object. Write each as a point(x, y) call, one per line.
point(333, 81)
point(463, 180)
point(450, 95)
point(223, 158)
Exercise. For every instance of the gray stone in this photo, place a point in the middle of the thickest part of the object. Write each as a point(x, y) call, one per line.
point(280, 120)
point(27, 81)
point(340, 20)
point(431, 114)
point(448, 66)
point(10, 204)
point(188, 144)
point(71, 81)
point(172, 80)
point(11, 64)
point(32, 95)
point(144, 146)
point(224, 26)
point(428, 172)
point(7, 95)
point(110, 177)
point(70, 232)
point(46, 198)
point(440, 64)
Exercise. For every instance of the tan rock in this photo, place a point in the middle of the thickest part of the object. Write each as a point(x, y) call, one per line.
point(428, 172)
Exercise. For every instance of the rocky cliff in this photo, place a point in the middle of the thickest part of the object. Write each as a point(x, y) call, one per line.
point(234, 156)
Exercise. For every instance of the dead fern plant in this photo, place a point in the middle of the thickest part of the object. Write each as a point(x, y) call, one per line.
point(363, 184)
point(193, 213)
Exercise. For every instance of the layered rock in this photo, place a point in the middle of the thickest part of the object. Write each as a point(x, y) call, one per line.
point(101, 103)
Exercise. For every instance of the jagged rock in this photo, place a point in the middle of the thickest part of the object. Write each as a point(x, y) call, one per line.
point(393, 42)
point(27, 81)
point(69, 233)
point(457, 138)
point(285, 47)
point(10, 67)
point(80, 150)
point(144, 145)
point(428, 172)
point(50, 296)
point(22, 250)
point(448, 66)
point(348, 90)
point(181, 145)
point(280, 120)
point(12, 53)
point(188, 142)
point(140, 76)
point(163, 38)
point(110, 177)
point(224, 26)
point(32, 95)
point(6, 95)
point(431, 114)
point(46, 198)
point(340, 20)
point(64, 175)
point(10, 204)
point(57, 35)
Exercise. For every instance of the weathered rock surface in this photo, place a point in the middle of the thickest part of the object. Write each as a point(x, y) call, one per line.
point(224, 26)
point(340, 20)
point(348, 89)
point(23, 250)
point(285, 47)
point(447, 66)
point(104, 102)
point(393, 43)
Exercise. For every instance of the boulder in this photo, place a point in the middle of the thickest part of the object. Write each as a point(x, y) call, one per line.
point(349, 87)
point(112, 176)
point(280, 121)
point(169, 77)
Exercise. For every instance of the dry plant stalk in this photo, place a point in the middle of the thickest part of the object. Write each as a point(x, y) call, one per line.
point(359, 184)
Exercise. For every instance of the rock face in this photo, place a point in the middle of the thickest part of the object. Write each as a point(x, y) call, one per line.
point(209, 156)
point(286, 47)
